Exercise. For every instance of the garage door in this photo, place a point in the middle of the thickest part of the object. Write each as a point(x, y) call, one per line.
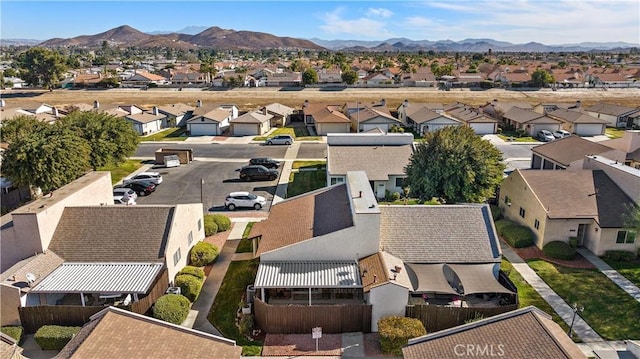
point(589, 130)
point(549, 128)
point(203, 129)
point(245, 129)
point(483, 128)
point(383, 126)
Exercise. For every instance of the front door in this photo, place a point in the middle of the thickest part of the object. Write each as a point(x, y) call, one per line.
point(380, 190)
point(582, 228)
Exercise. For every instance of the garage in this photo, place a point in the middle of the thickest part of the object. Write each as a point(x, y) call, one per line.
point(370, 126)
point(589, 129)
point(483, 128)
point(324, 128)
point(549, 127)
point(203, 129)
point(246, 129)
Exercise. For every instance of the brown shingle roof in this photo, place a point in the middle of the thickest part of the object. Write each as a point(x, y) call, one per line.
point(304, 217)
point(378, 162)
point(520, 115)
point(325, 113)
point(176, 109)
point(574, 116)
point(116, 333)
point(610, 109)
point(113, 233)
point(522, 334)
point(145, 117)
point(569, 149)
point(40, 265)
point(212, 112)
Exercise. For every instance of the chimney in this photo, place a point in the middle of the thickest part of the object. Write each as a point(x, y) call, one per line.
point(578, 104)
point(375, 278)
point(405, 103)
point(96, 104)
point(383, 102)
point(264, 110)
point(55, 111)
point(306, 103)
point(199, 103)
point(155, 111)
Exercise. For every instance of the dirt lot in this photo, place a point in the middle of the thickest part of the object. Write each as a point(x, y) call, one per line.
point(251, 98)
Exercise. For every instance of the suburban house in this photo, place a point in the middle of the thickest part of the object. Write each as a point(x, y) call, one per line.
point(177, 114)
point(382, 156)
point(190, 79)
point(545, 107)
point(147, 122)
point(281, 114)
point(211, 120)
point(117, 333)
point(424, 120)
point(529, 121)
point(366, 117)
point(124, 110)
point(325, 118)
point(423, 77)
point(578, 122)
point(569, 153)
point(615, 115)
point(144, 79)
point(255, 123)
point(497, 109)
point(583, 203)
point(630, 144)
point(286, 79)
point(406, 108)
point(474, 118)
point(610, 79)
point(520, 334)
point(376, 79)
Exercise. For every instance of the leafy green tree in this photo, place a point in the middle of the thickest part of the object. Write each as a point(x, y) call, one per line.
point(40, 66)
point(540, 78)
point(309, 76)
point(456, 165)
point(349, 77)
point(20, 126)
point(111, 139)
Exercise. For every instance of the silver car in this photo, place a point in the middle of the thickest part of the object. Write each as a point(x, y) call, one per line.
point(123, 195)
point(153, 177)
point(280, 140)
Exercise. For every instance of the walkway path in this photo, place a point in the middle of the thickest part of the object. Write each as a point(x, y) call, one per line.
point(283, 181)
point(611, 273)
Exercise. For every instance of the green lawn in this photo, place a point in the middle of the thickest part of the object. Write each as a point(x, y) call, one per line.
point(609, 310)
point(299, 133)
point(123, 170)
point(223, 311)
point(612, 132)
point(245, 245)
point(512, 136)
point(306, 181)
point(170, 134)
point(630, 270)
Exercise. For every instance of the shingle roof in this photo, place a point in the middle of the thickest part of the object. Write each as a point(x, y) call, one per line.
point(521, 115)
point(145, 117)
point(378, 162)
point(113, 233)
point(40, 265)
point(279, 109)
point(373, 271)
point(325, 113)
point(569, 149)
point(117, 333)
point(521, 334)
point(176, 109)
point(610, 109)
point(212, 112)
point(439, 234)
point(423, 114)
point(252, 117)
point(574, 116)
point(303, 217)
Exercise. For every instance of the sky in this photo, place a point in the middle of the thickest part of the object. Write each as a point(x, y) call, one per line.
point(551, 22)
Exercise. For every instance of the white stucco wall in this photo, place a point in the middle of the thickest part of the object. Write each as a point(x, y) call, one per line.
point(185, 220)
point(386, 300)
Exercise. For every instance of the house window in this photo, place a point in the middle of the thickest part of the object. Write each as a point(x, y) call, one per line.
point(626, 236)
point(522, 212)
point(335, 180)
point(176, 257)
point(507, 200)
point(190, 238)
point(199, 224)
point(399, 182)
point(536, 224)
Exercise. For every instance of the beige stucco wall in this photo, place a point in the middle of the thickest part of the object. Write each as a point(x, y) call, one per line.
point(608, 242)
point(9, 305)
point(387, 300)
point(512, 187)
point(185, 220)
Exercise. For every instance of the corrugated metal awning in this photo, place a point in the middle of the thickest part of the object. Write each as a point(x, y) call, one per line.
point(308, 275)
point(100, 278)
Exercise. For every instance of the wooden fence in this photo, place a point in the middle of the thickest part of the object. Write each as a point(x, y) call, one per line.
point(435, 317)
point(34, 317)
point(300, 319)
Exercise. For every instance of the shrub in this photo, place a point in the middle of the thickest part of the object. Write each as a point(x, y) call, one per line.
point(54, 337)
point(559, 250)
point(395, 196)
point(194, 271)
point(516, 235)
point(496, 213)
point(395, 332)
point(172, 308)
point(246, 324)
point(620, 256)
point(573, 242)
point(210, 226)
point(14, 332)
point(203, 254)
point(190, 286)
point(223, 222)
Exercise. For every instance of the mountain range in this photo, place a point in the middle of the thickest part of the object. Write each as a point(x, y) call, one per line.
point(226, 39)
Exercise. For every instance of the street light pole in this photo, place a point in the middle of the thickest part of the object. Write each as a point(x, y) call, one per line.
point(576, 309)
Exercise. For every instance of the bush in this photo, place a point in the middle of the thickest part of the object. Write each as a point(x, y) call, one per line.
point(559, 250)
point(210, 226)
point(395, 332)
point(620, 256)
point(54, 337)
point(223, 222)
point(191, 270)
point(172, 308)
point(14, 332)
point(516, 235)
point(396, 196)
point(573, 242)
point(496, 213)
point(190, 286)
point(203, 254)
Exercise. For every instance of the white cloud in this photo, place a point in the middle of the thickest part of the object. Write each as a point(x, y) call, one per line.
point(335, 24)
point(379, 12)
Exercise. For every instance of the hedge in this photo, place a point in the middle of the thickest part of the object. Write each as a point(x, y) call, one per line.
point(54, 337)
point(210, 226)
point(395, 333)
point(203, 254)
point(14, 332)
point(172, 308)
point(190, 286)
point(516, 235)
point(559, 250)
point(194, 271)
point(620, 256)
point(495, 212)
point(223, 222)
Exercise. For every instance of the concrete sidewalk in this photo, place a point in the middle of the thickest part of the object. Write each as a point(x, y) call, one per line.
point(283, 181)
point(611, 273)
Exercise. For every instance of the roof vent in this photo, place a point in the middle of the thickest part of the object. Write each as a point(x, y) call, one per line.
point(30, 277)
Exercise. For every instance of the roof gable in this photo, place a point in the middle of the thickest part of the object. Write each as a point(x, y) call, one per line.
point(378, 162)
point(569, 149)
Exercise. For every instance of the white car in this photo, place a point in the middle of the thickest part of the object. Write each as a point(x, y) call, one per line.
point(561, 134)
point(545, 136)
point(124, 196)
point(244, 199)
point(280, 140)
point(153, 177)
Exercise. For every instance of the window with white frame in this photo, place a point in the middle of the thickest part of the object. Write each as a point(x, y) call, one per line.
point(176, 257)
point(626, 236)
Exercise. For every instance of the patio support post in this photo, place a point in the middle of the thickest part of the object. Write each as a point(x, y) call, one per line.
point(309, 296)
point(262, 295)
point(82, 299)
point(135, 297)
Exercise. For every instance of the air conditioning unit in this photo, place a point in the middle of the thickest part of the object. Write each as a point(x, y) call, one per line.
point(173, 290)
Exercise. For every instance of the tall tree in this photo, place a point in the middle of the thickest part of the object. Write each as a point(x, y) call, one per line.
point(540, 78)
point(40, 66)
point(19, 126)
point(349, 77)
point(309, 76)
point(456, 165)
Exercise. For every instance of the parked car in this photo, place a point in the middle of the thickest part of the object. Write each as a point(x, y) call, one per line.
point(257, 172)
point(545, 136)
point(244, 199)
point(265, 161)
point(280, 140)
point(153, 177)
point(561, 134)
point(142, 188)
point(124, 196)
